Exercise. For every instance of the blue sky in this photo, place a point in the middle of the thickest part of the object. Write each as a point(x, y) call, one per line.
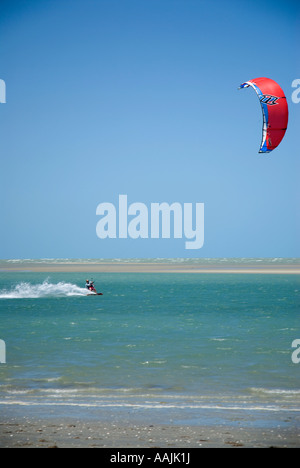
point(139, 97)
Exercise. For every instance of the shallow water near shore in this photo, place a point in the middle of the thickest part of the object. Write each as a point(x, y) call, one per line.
point(173, 348)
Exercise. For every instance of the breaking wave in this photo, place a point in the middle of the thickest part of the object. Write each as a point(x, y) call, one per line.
point(33, 291)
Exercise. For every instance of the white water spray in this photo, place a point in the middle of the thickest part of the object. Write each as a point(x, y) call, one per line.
point(32, 291)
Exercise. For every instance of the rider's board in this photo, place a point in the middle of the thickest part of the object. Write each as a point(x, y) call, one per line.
point(95, 294)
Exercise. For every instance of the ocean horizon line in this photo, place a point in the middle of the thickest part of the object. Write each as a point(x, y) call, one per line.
point(152, 259)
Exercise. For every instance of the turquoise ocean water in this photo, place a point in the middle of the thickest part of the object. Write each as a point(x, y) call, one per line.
point(171, 348)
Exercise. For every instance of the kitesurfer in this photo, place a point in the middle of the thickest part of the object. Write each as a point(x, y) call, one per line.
point(90, 286)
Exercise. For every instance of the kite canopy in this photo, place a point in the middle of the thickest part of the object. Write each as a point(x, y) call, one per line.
point(275, 111)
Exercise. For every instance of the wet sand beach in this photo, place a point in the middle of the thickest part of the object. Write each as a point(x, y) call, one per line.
point(72, 433)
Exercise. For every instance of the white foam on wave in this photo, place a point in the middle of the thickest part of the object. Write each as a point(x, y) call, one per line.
point(275, 391)
point(33, 291)
point(147, 405)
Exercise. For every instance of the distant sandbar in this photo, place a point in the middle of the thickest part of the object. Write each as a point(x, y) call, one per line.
point(163, 266)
